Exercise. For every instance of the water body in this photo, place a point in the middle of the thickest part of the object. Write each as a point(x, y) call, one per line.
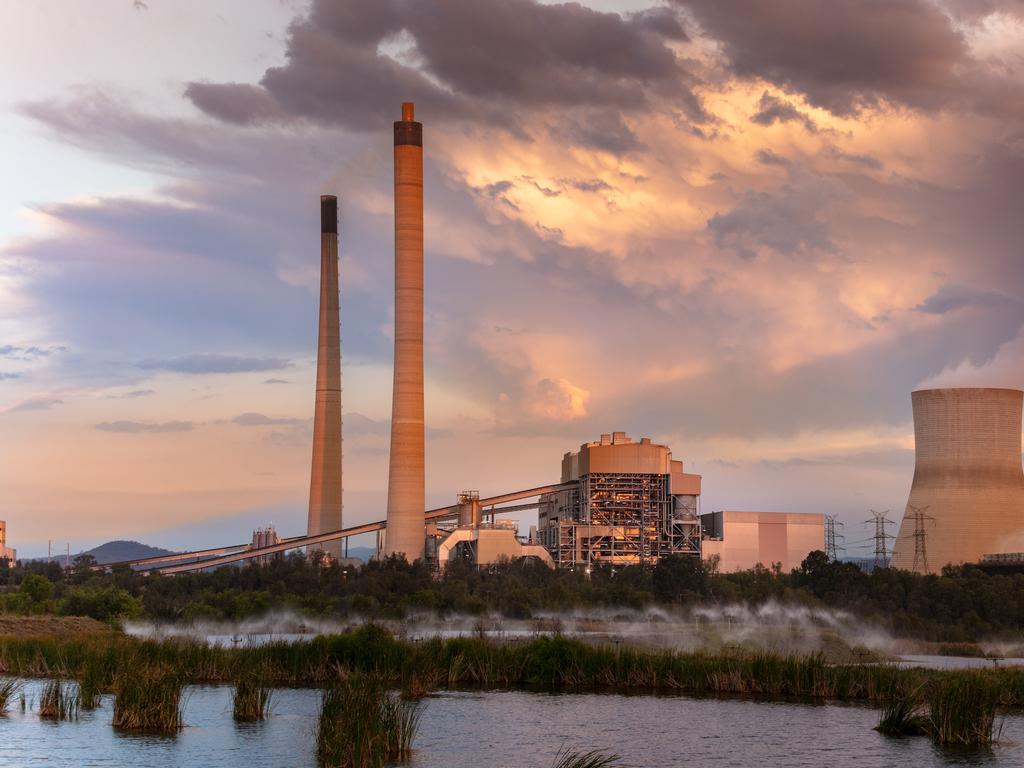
point(504, 729)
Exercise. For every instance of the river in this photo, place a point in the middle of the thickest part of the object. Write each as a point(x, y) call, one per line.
point(502, 729)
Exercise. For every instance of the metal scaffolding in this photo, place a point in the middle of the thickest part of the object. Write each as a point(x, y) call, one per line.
point(620, 519)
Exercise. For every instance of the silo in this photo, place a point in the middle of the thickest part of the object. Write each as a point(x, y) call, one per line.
point(967, 497)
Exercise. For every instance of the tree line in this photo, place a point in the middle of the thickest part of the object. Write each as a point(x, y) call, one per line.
point(961, 604)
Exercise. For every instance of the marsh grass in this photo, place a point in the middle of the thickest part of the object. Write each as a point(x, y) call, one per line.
point(58, 701)
point(252, 699)
point(91, 683)
point(148, 699)
point(9, 688)
point(904, 714)
point(963, 710)
point(578, 759)
point(363, 725)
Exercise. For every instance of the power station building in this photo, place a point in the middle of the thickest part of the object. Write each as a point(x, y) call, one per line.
point(967, 497)
point(627, 503)
point(739, 541)
point(5, 551)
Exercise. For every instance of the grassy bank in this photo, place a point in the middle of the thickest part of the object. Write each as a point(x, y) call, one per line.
point(553, 663)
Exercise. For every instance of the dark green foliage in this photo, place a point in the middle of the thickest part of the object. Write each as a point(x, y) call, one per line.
point(147, 697)
point(962, 604)
point(363, 725)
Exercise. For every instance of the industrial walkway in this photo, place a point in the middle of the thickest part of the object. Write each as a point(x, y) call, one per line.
point(217, 556)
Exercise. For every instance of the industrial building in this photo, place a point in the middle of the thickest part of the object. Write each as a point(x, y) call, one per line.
point(264, 537)
point(739, 541)
point(966, 501)
point(626, 503)
point(5, 551)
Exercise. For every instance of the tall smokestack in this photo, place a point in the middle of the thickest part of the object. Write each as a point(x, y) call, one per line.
point(325, 477)
point(405, 531)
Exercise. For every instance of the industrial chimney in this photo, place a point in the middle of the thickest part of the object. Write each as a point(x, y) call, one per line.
point(325, 477)
point(967, 498)
point(405, 526)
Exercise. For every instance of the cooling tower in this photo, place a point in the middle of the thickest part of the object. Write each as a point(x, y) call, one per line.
point(405, 527)
point(968, 482)
point(325, 476)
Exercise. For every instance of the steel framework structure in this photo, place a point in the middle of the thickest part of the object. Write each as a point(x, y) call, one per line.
point(621, 519)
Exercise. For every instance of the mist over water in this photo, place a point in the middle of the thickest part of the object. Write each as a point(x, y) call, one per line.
point(775, 626)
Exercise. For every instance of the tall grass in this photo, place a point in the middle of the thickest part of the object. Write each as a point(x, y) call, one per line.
point(549, 663)
point(91, 683)
point(904, 714)
point(149, 699)
point(964, 710)
point(9, 688)
point(251, 699)
point(363, 725)
point(58, 702)
point(592, 759)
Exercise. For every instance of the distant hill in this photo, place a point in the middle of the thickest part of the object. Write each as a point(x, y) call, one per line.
point(115, 551)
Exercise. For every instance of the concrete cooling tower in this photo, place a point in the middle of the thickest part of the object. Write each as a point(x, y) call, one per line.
point(967, 498)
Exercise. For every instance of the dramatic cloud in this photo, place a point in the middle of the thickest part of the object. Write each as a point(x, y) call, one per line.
point(134, 427)
point(843, 55)
point(523, 54)
point(200, 364)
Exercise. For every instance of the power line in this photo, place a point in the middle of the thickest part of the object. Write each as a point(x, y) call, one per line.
point(881, 520)
point(920, 538)
point(830, 538)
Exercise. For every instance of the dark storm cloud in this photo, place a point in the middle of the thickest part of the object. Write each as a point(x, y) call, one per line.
point(469, 59)
point(847, 54)
point(772, 109)
point(787, 221)
point(951, 297)
point(603, 130)
point(134, 427)
point(202, 364)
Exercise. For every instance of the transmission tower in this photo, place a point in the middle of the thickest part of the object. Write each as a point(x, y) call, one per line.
point(881, 520)
point(920, 537)
point(831, 550)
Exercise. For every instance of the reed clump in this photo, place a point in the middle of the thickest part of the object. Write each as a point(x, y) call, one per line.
point(251, 699)
point(91, 683)
point(905, 714)
point(364, 725)
point(9, 688)
point(58, 701)
point(578, 759)
point(963, 710)
point(148, 698)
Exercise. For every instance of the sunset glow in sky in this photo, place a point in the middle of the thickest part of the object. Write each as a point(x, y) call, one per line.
point(745, 229)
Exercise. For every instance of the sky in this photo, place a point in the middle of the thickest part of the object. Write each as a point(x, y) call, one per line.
point(747, 230)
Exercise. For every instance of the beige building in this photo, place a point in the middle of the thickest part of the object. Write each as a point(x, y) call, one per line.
point(742, 540)
point(629, 502)
point(967, 496)
point(5, 551)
